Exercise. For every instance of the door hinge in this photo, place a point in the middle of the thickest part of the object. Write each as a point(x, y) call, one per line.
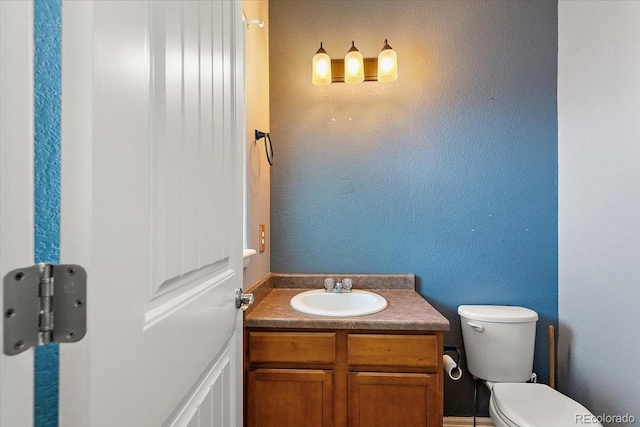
point(44, 303)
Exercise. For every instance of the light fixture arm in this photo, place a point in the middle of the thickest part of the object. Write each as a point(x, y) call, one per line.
point(321, 50)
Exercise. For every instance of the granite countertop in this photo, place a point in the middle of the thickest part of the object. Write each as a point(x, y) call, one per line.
point(407, 310)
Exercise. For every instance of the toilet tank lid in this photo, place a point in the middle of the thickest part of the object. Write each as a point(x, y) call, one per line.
point(498, 313)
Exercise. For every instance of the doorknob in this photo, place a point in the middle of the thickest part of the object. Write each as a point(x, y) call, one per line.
point(243, 301)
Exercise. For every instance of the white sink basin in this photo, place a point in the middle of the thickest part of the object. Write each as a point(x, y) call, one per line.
point(330, 304)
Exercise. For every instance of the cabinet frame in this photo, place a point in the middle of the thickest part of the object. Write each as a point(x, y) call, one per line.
point(341, 368)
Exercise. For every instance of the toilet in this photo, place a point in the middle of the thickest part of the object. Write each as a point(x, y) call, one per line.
point(499, 343)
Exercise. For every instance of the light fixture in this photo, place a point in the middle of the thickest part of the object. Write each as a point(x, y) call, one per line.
point(354, 68)
point(387, 64)
point(321, 68)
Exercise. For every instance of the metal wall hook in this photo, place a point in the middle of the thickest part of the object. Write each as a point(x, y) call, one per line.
point(268, 148)
point(257, 22)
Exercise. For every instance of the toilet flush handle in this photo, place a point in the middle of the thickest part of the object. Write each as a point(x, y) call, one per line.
point(478, 328)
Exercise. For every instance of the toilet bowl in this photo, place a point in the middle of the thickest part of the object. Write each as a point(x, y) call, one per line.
point(499, 345)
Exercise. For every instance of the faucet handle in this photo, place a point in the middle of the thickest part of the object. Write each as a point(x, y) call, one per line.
point(329, 284)
point(347, 284)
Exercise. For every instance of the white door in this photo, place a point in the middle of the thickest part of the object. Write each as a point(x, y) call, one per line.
point(16, 191)
point(152, 134)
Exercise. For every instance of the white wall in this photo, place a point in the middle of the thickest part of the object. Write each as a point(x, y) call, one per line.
point(258, 169)
point(599, 204)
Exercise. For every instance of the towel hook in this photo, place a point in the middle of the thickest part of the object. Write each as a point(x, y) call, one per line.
point(268, 149)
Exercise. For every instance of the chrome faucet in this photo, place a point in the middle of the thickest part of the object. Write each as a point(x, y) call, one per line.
point(338, 288)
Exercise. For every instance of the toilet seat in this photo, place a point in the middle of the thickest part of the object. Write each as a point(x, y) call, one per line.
point(535, 405)
point(498, 419)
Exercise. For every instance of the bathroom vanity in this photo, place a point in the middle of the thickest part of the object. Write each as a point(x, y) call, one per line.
point(383, 369)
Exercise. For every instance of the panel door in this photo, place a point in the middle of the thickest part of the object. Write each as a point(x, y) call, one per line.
point(393, 399)
point(289, 397)
point(16, 191)
point(152, 133)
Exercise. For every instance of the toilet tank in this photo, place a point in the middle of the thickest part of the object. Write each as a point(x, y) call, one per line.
point(499, 341)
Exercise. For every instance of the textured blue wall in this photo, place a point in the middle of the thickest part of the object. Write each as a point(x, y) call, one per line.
point(449, 173)
point(47, 81)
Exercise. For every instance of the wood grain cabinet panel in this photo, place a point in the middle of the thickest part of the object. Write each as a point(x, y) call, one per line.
point(343, 378)
point(419, 351)
point(379, 399)
point(292, 347)
point(289, 397)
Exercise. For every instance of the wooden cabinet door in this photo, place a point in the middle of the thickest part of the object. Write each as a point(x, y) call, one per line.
point(393, 399)
point(289, 397)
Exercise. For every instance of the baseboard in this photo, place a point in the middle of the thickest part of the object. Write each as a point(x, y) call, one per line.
point(467, 422)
